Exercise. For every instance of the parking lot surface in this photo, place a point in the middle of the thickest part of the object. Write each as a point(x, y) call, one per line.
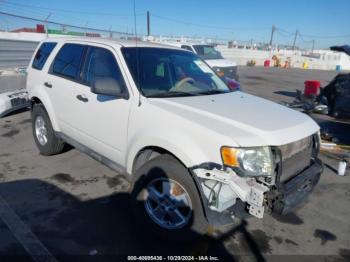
point(70, 207)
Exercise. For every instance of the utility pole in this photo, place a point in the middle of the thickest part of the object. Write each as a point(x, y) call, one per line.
point(110, 32)
point(295, 39)
point(86, 24)
point(313, 46)
point(148, 24)
point(272, 32)
point(47, 25)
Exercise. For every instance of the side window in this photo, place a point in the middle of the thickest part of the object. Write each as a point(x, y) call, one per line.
point(42, 54)
point(101, 65)
point(187, 47)
point(68, 60)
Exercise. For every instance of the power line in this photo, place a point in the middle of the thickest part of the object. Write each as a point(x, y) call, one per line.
point(283, 34)
point(280, 31)
point(203, 25)
point(72, 11)
point(284, 31)
point(326, 37)
point(22, 11)
point(313, 36)
point(55, 16)
point(61, 24)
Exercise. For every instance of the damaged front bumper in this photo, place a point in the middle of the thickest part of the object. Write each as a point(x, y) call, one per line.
point(293, 192)
point(223, 190)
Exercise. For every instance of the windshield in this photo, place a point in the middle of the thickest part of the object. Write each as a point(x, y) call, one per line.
point(170, 72)
point(207, 52)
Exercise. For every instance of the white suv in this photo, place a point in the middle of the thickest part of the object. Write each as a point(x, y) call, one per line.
point(193, 149)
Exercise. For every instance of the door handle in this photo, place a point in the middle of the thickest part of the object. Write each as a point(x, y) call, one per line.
point(82, 98)
point(47, 84)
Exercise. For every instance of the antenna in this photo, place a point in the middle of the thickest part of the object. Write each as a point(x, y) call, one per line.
point(137, 54)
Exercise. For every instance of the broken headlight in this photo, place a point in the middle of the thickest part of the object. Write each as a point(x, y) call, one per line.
point(250, 161)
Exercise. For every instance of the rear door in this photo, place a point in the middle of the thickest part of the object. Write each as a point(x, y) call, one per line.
point(35, 71)
point(62, 82)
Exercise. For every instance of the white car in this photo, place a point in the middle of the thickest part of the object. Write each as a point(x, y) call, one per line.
point(193, 149)
point(223, 67)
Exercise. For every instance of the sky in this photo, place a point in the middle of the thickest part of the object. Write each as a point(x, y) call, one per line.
point(325, 21)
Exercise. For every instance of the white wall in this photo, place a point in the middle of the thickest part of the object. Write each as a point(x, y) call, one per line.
point(327, 61)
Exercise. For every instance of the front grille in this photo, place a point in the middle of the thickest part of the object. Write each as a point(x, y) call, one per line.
point(296, 157)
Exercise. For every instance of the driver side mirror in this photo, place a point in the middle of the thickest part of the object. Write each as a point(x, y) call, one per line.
point(108, 86)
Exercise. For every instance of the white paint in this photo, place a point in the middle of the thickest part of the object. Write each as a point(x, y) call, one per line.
point(192, 128)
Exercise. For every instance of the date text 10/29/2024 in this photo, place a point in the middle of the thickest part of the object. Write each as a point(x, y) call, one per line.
point(173, 258)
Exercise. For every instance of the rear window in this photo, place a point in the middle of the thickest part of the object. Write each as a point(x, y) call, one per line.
point(42, 54)
point(68, 61)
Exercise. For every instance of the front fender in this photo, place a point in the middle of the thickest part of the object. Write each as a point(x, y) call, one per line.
point(189, 155)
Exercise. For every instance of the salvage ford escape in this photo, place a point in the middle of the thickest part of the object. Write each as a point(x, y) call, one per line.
point(192, 149)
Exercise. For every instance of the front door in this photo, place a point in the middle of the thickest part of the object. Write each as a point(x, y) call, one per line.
point(104, 120)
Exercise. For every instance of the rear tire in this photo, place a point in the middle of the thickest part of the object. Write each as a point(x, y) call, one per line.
point(167, 170)
point(44, 135)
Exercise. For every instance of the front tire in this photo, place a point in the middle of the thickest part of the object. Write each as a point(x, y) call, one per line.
point(165, 200)
point(44, 135)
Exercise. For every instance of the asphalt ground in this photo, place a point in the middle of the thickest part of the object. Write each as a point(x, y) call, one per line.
point(69, 207)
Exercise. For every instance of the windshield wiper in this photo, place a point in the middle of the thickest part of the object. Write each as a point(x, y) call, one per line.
point(173, 94)
point(213, 91)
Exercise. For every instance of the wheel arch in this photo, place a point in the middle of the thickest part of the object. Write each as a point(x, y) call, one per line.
point(157, 147)
point(36, 99)
point(149, 152)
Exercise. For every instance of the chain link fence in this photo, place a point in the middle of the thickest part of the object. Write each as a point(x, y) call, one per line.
point(19, 36)
point(18, 23)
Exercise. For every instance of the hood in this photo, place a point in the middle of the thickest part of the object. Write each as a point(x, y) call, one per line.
point(220, 63)
point(344, 48)
point(246, 119)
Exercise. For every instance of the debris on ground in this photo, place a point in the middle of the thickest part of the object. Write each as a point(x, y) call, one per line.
point(12, 101)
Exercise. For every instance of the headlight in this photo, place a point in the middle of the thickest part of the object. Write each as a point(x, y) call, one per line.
point(218, 71)
point(250, 161)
